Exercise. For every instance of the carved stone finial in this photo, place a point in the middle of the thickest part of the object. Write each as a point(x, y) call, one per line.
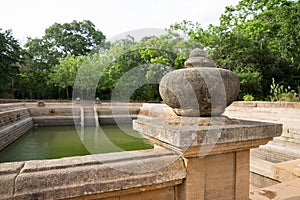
point(198, 58)
point(201, 89)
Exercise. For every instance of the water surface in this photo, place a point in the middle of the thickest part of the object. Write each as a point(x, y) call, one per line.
point(64, 141)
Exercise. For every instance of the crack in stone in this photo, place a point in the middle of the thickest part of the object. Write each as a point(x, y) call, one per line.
point(15, 179)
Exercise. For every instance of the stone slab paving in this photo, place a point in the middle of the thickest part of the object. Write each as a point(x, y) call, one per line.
point(283, 191)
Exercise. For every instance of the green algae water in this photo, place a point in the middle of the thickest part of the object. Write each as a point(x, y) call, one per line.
point(64, 141)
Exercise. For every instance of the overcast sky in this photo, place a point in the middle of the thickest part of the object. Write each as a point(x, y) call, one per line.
point(29, 18)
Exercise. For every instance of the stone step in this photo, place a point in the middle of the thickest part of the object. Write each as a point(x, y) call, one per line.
point(276, 153)
point(284, 140)
point(89, 116)
point(291, 132)
point(286, 146)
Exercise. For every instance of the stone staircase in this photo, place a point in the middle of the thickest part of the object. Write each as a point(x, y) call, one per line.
point(283, 148)
point(15, 121)
point(89, 117)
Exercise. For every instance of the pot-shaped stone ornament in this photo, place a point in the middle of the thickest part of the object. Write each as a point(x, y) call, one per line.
point(201, 89)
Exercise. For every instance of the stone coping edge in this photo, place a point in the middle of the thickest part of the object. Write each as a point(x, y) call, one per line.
point(186, 135)
point(10, 128)
point(266, 104)
point(101, 174)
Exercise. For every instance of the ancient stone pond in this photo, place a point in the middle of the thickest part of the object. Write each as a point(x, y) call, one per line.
point(64, 141)
point(199, 153)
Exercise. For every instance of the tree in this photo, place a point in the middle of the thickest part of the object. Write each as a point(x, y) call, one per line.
point(63, 75)
point(254, 37)
point(43, 54)
point(133, 64)
point(270, 32)
point(75, 38)
point(10, 58)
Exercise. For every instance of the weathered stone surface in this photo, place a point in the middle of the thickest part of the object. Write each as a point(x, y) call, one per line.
point(258, 181)
point(284, 171)
point(296, 171)
point(222, 176)
point(183, 132)
point(242, 174)
point(101, 175)
point(216, 149)
point(284, 191)
point(11, 133)
point(8, 173)
point(198, 58)
point(262, 173)
point(161, 194)
point(201, 89)
point(270, 162)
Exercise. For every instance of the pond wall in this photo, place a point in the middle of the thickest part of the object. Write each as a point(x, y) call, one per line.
point(15, 121)
point(100, 177)
point(105, 176)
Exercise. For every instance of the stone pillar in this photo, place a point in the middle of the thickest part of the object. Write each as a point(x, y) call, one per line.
point(216, 157)
point(214, 147)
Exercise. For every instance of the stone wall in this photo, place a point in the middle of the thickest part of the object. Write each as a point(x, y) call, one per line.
point(280, 149)
point(18, 118)
point(15, 121)
point(55, 114)
point(103, 176)
point(133, 175)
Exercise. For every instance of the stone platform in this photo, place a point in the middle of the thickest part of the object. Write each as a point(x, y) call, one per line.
point(215, 149)
point(281, 149)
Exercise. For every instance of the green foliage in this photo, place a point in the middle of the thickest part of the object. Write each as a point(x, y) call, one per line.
point(10, 58)
point(250, 83)
point(43, 56)
point(280, 93)
point(75, 38)
point(257, 39)
point(63, 74)
point(289, 96)
point(248, 97)
point(256, 35)
point(137, 63)
point(86, 81)
point(276, 91)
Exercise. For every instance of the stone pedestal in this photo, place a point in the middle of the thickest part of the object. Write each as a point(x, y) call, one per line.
point(215, 149)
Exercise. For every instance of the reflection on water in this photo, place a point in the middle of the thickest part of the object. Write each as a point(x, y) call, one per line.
point(63, 141)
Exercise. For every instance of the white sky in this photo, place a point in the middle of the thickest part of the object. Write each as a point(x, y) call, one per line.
point(29, 18)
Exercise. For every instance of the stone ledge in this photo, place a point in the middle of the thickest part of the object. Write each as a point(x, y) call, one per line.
point(198, 133)
point(263, 104)
point(11, 133)
point(283, 191)
point(8, 174)
point(262, 167)
point(286, 171)
point(101, 175)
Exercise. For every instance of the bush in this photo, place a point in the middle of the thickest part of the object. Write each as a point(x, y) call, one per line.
point(289, 96)
point(250, 84)
point(280, 93)
point(248, 97)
